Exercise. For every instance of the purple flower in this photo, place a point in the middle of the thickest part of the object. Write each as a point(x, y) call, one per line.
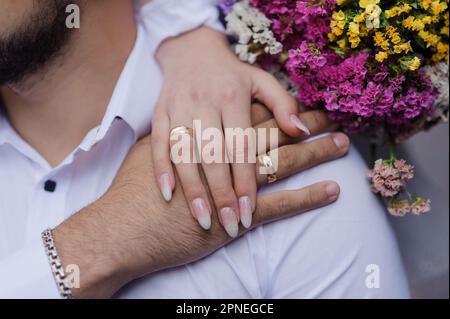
point(227, 5)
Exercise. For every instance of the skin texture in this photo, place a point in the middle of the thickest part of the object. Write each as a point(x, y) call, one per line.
point(12, 13)
point(208, 83)
point(113, 248)
point(83, 75)
point(113, 240)
point(26, 47)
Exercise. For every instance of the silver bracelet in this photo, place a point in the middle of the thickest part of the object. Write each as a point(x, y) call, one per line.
point(56, 265)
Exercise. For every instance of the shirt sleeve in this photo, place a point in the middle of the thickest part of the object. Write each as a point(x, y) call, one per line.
point(169, 18)
point(26, 274)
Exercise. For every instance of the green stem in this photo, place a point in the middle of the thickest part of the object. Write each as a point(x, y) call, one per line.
point(410, 197)
point(392, 152)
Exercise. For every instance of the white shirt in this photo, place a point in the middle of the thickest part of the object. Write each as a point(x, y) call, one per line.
point(320, 254)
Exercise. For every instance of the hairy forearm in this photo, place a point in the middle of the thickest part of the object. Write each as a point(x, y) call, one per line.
point(86, 240)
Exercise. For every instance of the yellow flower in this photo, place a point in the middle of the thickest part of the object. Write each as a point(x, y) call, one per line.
point(381, 56)
point(355, 41)
point(365, 3)
point(390, 31)
point(353, 29)
point(340, 2)
point(413, 24)
point(418, 25)
point(397, 10)
point(380, 41)
point(408, 22)
point(340, 15)
point(396, 39)
point(426, 4)
point(406, 8)
point(342, 43)
point(427, 20)
point(430, 39)
point(414, 64)
point(404, 47)
point(359, 18)
point(442, 53)
point(337, 31)
point(353, 33)
point(442, 47)
point(338, 23)
point(438, 7)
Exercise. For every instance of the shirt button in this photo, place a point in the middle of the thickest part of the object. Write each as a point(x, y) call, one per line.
point(50, 186)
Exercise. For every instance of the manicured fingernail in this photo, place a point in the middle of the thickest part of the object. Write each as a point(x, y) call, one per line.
point(299, 124)
point(332, 190)
point(340, 140)
point(202, 213)
point(164, 184)
point(245, 207)
point(229, 221)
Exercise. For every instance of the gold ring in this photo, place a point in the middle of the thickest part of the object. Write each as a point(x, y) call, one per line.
point(181, 130)
point(266, 161)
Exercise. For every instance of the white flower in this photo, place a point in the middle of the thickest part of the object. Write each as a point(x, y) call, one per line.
point(250, 25)
point(239, 28)
point(242, 52)
point(439, 78)
point(252, 58)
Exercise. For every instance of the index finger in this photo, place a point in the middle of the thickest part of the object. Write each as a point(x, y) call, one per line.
point(287, 203)
point(317, 122)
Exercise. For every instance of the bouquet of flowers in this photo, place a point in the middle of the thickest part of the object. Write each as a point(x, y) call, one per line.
point(377, 67)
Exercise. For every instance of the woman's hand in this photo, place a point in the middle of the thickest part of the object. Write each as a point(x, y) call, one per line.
point(205, 81)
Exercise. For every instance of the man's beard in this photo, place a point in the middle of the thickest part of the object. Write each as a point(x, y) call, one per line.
point(29, 48)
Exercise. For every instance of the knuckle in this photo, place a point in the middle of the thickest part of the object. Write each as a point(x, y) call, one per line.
point(316, 120)
point(223, 195)
point(312, 154)
point(309, 198)
point(284, 204)
point(288, 158)
point(198, 95)
point(240, 151)
point(192, 192)
point(228, 93)
point(245, 187)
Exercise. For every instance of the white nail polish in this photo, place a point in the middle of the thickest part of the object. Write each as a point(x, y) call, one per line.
point(229, 220)
point(166, 190)
point(205, 221)
point(202, 213)
point(245, 208)
point(299, 124)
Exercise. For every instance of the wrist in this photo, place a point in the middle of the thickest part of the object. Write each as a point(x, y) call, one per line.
point(79, 243)
point(190, 43)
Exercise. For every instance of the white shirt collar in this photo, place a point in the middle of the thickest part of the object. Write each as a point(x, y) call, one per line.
point(133, 98)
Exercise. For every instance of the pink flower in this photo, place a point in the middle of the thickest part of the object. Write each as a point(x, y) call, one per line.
point(398, 207)
point(386, 179)
point(421, 206)
point(406, 171)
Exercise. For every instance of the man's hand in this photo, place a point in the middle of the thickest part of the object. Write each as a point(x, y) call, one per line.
point(131, 231)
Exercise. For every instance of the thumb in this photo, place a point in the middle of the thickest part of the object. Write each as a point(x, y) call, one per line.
point(269, 91)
